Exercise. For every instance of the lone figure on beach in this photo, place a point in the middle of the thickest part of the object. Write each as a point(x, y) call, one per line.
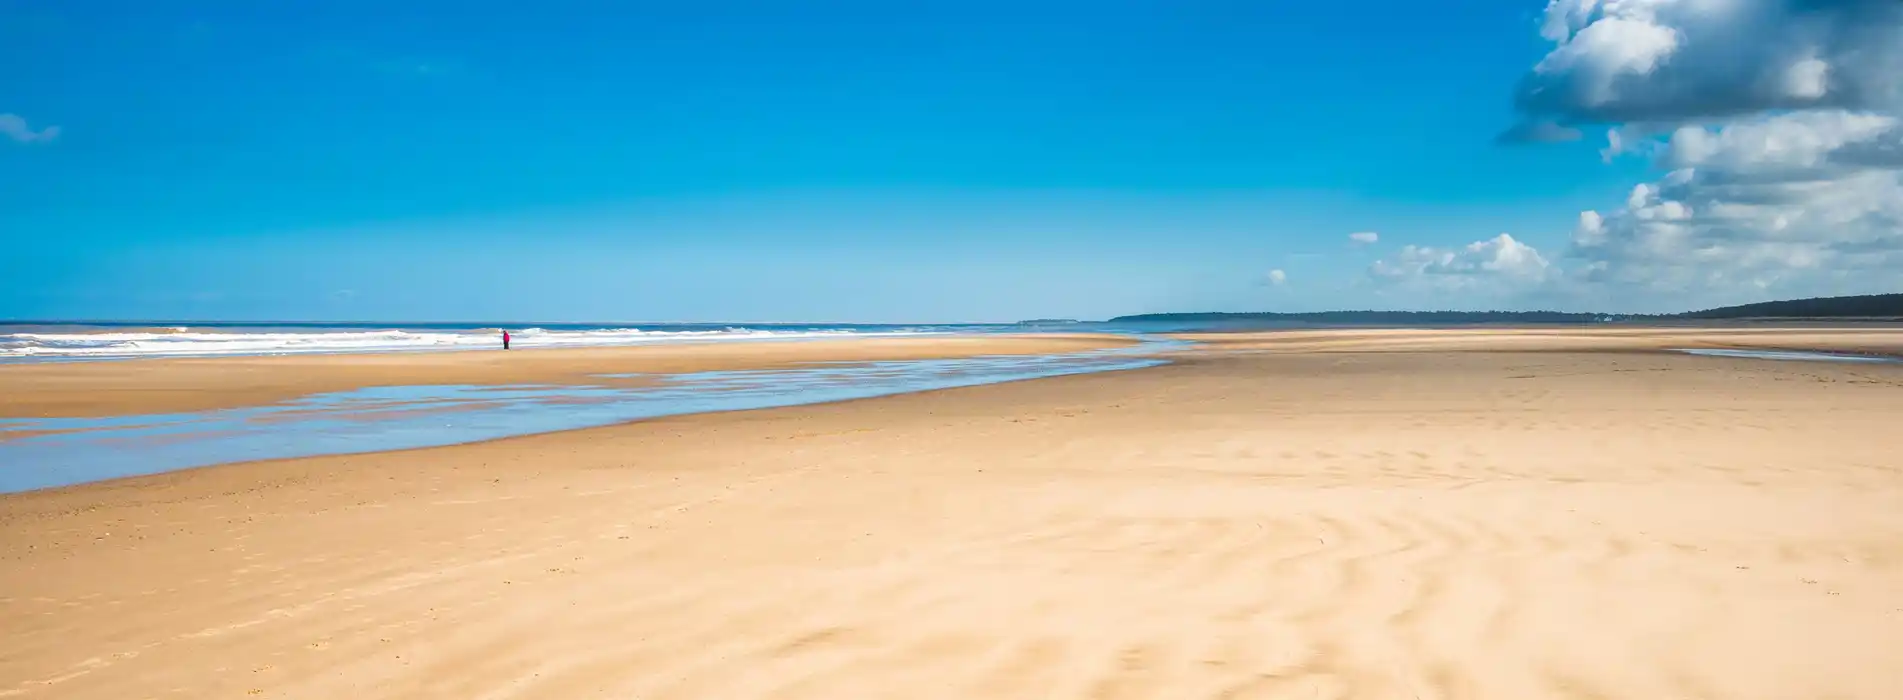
point(505, 340)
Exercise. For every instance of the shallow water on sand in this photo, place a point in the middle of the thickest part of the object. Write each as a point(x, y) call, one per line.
point(1788, 355)
point(45, 452)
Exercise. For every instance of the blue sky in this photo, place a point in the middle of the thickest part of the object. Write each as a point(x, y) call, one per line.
point(765, 161)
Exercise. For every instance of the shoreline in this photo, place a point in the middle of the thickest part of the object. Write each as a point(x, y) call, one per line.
point(160, 479)
point(68, 452)
point(1207, 345)
point(230, 435)
point(174, 385)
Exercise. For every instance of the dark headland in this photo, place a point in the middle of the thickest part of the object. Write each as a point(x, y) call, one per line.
point(1872, 307)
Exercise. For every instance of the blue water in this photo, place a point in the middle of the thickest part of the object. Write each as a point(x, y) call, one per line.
point(1789, 355)
point(94, 341)
point(46, 452)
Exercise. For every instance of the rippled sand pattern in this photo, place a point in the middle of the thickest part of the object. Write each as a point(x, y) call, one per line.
point(1398, 525)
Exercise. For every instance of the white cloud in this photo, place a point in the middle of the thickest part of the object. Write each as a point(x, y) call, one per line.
point(1364, 237)
point(1500, 257)
point(1784, 145)
point(1796, 204)
point(1776, 125)
point(1498, 272)
point(1673, 61)
point(1807, 79)
point(1277, 278)
point(1603, 52)
point(15, 127)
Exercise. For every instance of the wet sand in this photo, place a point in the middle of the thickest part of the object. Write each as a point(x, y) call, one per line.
point(1359, 519)
point(1873, 338)
point(69, 389)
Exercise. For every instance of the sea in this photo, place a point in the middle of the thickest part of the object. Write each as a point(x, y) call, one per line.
point(52, 341)
point(57, 341)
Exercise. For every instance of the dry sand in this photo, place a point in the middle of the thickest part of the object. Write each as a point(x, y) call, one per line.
point(1425, 524)
point(195, 384)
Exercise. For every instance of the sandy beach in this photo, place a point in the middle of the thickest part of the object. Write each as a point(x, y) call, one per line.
point(1335, 514)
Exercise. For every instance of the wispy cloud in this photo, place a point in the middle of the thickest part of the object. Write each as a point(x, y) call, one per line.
point(1364, 237)
point(15, 127)
point(1276, 278)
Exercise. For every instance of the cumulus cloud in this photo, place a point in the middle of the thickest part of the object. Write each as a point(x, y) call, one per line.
point(1276, 278)
point(1808, 202)
point(1777, 130)
point(1674, 61)
point(1498, 258)
point(1364, 237)
point(15, 127)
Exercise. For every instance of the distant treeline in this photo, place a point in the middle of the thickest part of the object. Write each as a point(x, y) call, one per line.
point(1867, 306)
point(1402, 317)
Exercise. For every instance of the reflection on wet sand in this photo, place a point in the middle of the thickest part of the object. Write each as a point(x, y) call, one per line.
point(44, 452)
point(1800, 355)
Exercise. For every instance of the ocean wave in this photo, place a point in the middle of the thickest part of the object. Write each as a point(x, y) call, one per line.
point(187, 342)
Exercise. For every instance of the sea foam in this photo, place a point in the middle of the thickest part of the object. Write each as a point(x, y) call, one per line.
point(190, 342)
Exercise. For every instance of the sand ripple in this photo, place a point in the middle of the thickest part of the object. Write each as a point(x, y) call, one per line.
point(1406, 525)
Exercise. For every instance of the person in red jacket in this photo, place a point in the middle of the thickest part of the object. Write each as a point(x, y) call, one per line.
point(505, 340)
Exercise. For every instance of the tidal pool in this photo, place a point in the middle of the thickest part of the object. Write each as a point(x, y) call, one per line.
point(1789, 355)
point(44, 452)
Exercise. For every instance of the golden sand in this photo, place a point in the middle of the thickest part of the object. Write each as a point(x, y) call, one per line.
point(1438, 522)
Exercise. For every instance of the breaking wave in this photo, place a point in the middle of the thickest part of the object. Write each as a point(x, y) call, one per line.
point(51, 344)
